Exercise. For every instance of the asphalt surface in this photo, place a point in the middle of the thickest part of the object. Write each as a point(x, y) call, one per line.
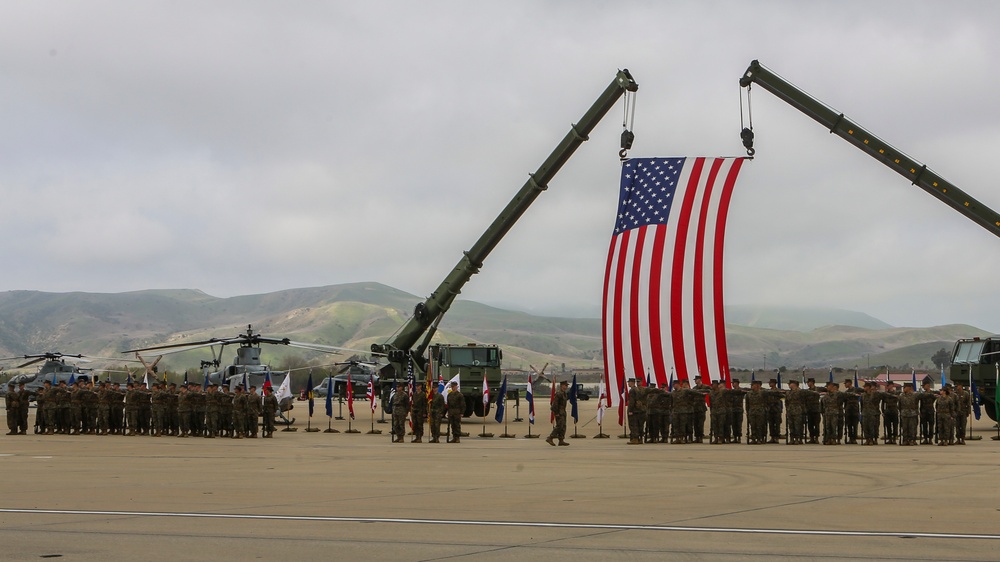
point(313, 496)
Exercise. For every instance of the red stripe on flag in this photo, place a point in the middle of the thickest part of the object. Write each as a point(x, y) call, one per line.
point(720, 238)
point(655, 286)
point(604, 333)
point(635, 313)
point(677, 270)
point(623, 240)
point(701, 354)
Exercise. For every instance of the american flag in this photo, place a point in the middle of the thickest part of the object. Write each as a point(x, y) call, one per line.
point(663, 280)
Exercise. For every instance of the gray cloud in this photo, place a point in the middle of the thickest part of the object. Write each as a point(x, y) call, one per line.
point(250, 147)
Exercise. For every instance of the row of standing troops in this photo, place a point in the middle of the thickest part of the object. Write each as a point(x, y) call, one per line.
point(163, 410)
point(427, 401)
point(679, 415)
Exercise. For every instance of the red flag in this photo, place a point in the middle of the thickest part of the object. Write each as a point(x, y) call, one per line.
point(370, 394)
point(663, 305)
point(350, 396)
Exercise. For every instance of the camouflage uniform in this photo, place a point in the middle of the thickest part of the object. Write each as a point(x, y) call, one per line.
point(909, 412)
point(76, 409)
point(774, 410)
point(635, 432)
point(833, 414)
point(211, 413)
point(456, 409)
point(871, 407)
point(814, 416)
point(757, 414)
point(239, 413)
point(683, 414)
point(700, 411)
point(41, 398)
point(104, 409)
point(184, 412)
point(944, 407)
point(927, 399)
point(254, 406)
point(890, 415)
point(419, 414)
point(735, 396)
point(225, 401)
point(852, 412)
point(795, 409)
point(654, 414)
point(558, 408)
point(963, 405)
point(269, 407)
point(157, 407)
point(117, 421)
point(11, 400)
point(436, 409)
point(400, 408)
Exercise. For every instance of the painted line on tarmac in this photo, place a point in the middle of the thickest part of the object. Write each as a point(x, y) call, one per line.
point(593, 526)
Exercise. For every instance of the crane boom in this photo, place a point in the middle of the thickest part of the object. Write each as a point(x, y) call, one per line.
point(427, 312)
point(918, 174)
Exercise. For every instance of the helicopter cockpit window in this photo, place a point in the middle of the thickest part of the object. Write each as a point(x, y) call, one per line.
point(968, 352)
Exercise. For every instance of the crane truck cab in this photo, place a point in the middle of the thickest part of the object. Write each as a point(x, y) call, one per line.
point(976, 360)
point(471, 362)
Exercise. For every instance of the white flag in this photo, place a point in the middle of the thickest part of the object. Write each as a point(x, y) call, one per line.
point(285, 388)
point(486, 392)
point(600, 403)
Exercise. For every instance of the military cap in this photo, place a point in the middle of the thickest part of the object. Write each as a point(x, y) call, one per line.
point(772, 381)
point(454, 383)
point(736, 381)
point(563, 383)
point(907, 385)
point(755, 382)
point(810, 379)
point(848, 381)
point(793, 381)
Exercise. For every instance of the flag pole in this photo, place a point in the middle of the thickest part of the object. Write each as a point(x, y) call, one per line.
point(996, 403)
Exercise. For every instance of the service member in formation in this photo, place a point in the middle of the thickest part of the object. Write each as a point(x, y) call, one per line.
point(436, 409)
point(184, 411)
point(795, 412)
point(211, 412)
point(945, 410)
point(774, 410)
point(634, 415)
point(814, 414)
point(456, 409)
point(871, 408)
point(658, 407)
point(909, 413)
point(117, 421)
point(833, 413)
point(756, 414)
point(400, 409)
point(254, 405)
point(735, 397)
point(104, 408)
point(41, 398)
point(963, 405)
point(269, 409)
point(558, 407)
point(225, 400)
point(927, 398)
point(890, 413)
point(721, 414)
point(700, 409)
point(852, 411)
point(418, 411)
point(12, 404)
point(239, 413)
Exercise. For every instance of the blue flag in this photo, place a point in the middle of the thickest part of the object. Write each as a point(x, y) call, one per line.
point(309, 392)
point(753, 375)
point(204, 383)
point(500, 400)
point(72, 379)
point(943, 381)
point(54, 383)
point(779, 379)
point(572, 400)
point(976, 398)
point(670, 381)
point(185, 378)
point(855, 378)
point(831, 375)
point(329, 397)
point(913, 373)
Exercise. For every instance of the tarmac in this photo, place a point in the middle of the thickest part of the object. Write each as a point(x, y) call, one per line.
point(316, 496)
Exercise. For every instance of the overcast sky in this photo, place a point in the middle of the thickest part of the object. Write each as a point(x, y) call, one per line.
point(249, 147)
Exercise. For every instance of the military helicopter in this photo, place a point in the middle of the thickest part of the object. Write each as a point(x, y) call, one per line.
point(55, 369)
point(246, 369)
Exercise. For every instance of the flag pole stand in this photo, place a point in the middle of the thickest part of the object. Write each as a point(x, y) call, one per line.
point(577, 434)
point(485, 435)
point(351, 429)
point(373, 430)
point(309, 427)
point(531, 435)
point(505, 434)
point(329, 426)
point(600, 432)
point(288, 426)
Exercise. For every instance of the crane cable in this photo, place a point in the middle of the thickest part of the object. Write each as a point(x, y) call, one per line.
point(746, 132)
point(628, 122)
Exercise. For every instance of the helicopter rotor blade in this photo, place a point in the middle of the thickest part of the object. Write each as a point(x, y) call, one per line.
point(32, 362)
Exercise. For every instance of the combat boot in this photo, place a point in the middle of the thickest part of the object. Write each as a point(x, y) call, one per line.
point(551, 442)
point(563, 443)
point(434, 440)
point(417, 440)
point(458, 440)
